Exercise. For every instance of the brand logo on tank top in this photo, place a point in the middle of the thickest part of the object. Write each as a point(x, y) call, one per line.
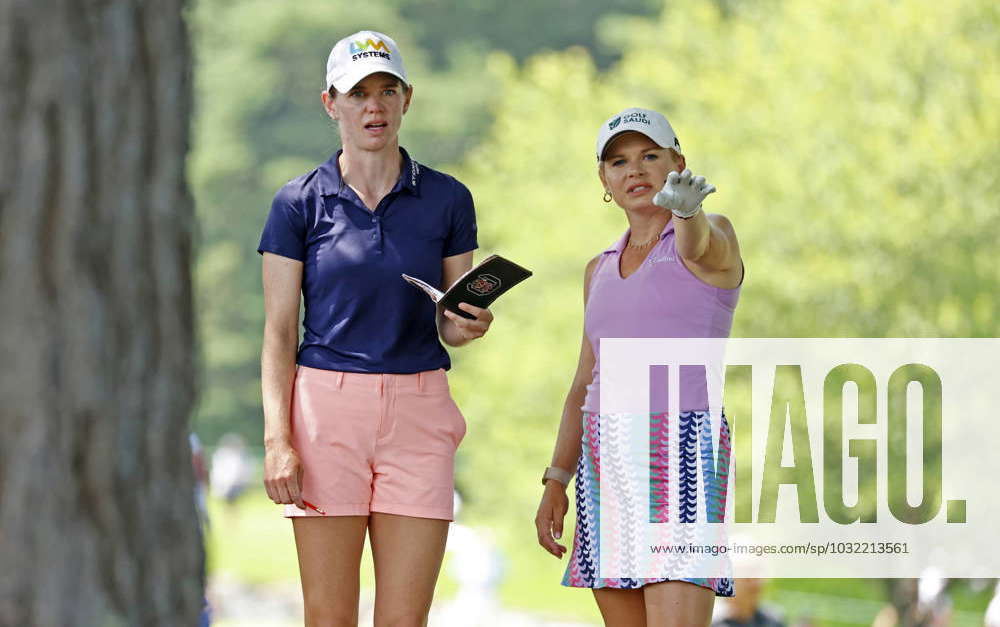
point(662, 258)
point(484, 284)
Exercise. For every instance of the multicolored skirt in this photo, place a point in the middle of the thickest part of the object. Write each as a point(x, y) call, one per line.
point(583, 567)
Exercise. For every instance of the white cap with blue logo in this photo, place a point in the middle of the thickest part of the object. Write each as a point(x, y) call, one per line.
point(356, 56)
point(646, 121)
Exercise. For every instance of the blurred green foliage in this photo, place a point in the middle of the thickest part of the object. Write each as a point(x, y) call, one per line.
point(521, 28)
point(853, 144)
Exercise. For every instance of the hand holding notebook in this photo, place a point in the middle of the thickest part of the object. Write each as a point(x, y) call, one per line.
point(480, 286)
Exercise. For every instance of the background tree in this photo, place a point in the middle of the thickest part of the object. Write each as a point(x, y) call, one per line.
point(96, 330)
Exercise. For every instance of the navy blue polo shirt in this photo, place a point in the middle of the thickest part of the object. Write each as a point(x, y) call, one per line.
point(360, 315)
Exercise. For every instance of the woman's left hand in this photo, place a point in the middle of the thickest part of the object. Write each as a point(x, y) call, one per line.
point(470, 329)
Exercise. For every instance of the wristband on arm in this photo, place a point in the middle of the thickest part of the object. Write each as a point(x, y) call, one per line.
point(558, 474)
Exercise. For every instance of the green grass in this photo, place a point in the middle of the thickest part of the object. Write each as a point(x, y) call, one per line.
point(252, 542)
point(255, 545)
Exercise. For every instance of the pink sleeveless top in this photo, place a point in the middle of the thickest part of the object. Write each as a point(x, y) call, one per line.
point(662, 298)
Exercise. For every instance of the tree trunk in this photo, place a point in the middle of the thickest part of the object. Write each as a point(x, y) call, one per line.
point(96, 331)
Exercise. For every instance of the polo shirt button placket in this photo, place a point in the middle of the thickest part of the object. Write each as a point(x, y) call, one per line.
point(377, 234)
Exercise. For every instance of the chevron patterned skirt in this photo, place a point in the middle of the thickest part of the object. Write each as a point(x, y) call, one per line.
point(582, 571)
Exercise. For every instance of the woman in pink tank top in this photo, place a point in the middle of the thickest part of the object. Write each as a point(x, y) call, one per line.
point(676, 272)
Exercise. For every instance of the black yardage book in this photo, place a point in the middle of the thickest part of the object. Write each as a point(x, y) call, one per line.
point(479, 286)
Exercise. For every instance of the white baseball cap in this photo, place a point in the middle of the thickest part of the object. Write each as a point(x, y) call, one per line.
point(646, 121)
point(356, 56)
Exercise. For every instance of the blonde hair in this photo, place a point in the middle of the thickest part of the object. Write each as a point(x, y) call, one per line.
point(676, 156)
point(333, 90)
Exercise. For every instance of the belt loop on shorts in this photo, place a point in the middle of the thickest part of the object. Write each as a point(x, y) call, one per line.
point(420, 382)
point(340, 380)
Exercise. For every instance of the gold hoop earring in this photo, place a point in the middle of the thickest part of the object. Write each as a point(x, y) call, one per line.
point(607, 196)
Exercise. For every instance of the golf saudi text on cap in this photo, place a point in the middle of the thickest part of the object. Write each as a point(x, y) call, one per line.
point(646, 121)
point(356, 56)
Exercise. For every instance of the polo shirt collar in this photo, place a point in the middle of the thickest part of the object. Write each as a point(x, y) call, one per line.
point(331, 183)
point(619, 246)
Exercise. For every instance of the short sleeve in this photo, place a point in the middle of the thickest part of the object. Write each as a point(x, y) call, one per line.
point(462, 234)
point(285, 230)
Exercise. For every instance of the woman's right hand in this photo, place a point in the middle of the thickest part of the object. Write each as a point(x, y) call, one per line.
point(549, 519)
point(283, 475)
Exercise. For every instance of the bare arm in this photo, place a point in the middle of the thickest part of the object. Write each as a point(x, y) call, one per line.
point(454, 329)
point(708, 241)
point(554, 505)
point(567, 448)
point(282, 285)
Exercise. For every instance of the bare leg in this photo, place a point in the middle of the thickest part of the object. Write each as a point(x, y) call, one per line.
point(407, 553)
point(678, 604)
point(621, 608)
point(329, 550)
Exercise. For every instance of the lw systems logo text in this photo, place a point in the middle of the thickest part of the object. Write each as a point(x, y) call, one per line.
point(369, 48)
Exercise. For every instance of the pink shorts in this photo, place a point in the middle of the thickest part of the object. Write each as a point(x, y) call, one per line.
point(375, 443)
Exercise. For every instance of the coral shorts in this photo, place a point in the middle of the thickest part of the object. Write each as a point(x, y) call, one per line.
point(375, 443)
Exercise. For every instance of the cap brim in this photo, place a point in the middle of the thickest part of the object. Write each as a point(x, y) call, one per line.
point(344, 84)
point(607, 144)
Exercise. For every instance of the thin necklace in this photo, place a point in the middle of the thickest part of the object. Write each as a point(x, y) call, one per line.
point(641, 245)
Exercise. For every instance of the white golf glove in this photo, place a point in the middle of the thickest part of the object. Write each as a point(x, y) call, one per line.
point(682, 193)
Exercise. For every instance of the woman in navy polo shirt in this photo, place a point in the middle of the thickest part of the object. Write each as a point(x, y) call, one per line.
point(360, 428)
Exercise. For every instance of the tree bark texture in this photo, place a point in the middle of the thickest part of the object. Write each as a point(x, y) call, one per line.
point(96, 330)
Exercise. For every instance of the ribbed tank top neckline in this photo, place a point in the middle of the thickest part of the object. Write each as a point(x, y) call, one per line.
point(661, 298)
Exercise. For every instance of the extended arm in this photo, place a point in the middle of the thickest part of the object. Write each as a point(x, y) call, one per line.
point(706, 240)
